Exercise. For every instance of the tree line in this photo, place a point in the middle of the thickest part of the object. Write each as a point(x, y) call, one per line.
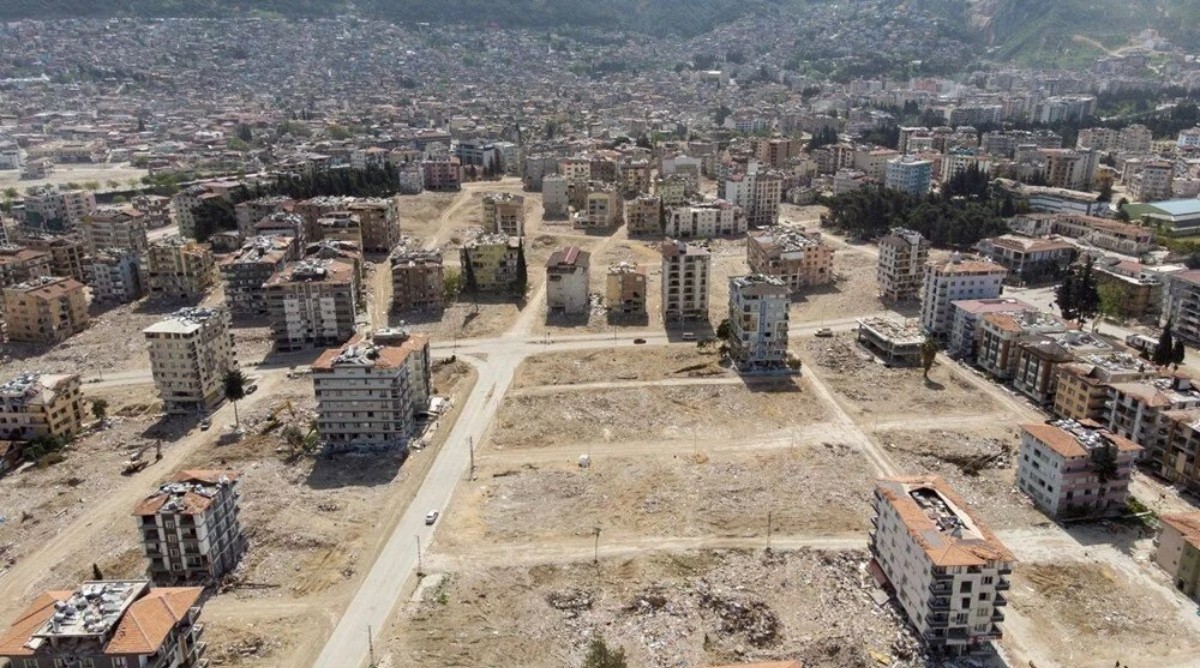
point(951, 222)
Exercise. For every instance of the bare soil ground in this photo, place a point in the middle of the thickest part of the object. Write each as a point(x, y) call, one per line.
point(78, 174)
point(648, 413)
point(979, 463)
point(811, 489)
point(1091, 614)
point(599, 366)
point(680, 609)
point(852, 293)
point(866, 387)
point(420, 214)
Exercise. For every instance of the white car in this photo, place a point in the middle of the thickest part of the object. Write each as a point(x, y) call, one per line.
point(431, 517)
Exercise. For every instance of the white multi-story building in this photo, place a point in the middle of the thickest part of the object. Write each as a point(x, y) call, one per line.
point(114, 275)
point(190, 529)
point(370, 391)
point(1154, 182)
point(948, 570)
point(952, 280)
point(1059, 466)
point(758, 319)
point(556, 200)
point(901, 267)
point(313, 302)
point(504, 213)
point(909, 174)
point(115, 227)
point(756, 191)
point(567, 281)
point(1189, 138)
point(190, 352)
point(709, 219)
point(601, 207)
point(685, 271)
point(183, 204)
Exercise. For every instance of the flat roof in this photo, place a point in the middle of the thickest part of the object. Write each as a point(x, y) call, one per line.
point(1177, 207)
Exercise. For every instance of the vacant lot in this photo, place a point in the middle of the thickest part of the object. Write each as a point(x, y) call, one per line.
point(682, 609)
point(979, 463)
point(1091, 614)
point(706, 412)
point(867, 388)
point(811, 489)
point(603, 366)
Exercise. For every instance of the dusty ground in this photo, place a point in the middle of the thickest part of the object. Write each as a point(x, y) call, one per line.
point(661, 413)
point(979, 463)
point(681, 609)
point(599, 366)
point(1091, 614)
point(869, 391)
point(810, 489)
point(78, 174)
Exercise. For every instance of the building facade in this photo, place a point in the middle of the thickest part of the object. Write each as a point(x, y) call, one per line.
point(685, 271)
point(190, 530)
point(643, 215)
point(567, 276)
point(114, 275)
point(36, 405)
point(1070, 469)
point(177, 269)
point(901, 267)
point(798, 257)
point(45, 310)
point(953, 280)
point(418, 280)
point(493, 263)
point(758, 318)
point(313, 302)
point(1178, 552)
point(625, 290)
point(244, 273)
point(504, 213)
point(191, 350)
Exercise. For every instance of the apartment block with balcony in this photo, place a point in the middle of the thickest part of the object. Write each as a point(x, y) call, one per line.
point(379, 223)
point(504, 213)
point(1000, 333)
point(179, 270)
point(704, 220)
point(109, 624)
point(370, 391)
point(1177, 458)
point(964, 335)
point(1028, 260)
point(244, 273)
point(114, 275)
point(799, 257)
point(66, 253)
point(644, 215)
point(901, 266)
point(38, 405)
point(633, 174)
point(673, 189)
point(1136, 411)
point(443, 174)
point(1181, 305)
point(190, 352)
point(601, 208)
point(250, 212)
point(685, 272)
point(1153, 182)
point(555, 196)
point(115, 227)
point(909, 174)
point(758, 319)
point(19, 264)
point(155, 210)
point(1178, 552)
point(418, 280)
point(183, 206)
point(190, 530)
point(1081, 387)
point(625, 290)
point(48, 309)
point(1075, 469)
point(492, 263)
point(313, 302)
point(949, 571)
point(567, 277)
point(953, 280)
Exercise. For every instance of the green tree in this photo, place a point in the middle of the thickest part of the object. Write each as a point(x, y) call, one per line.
point(339, 132)
point(929, 351)
point(100, 408)
point(1122, 212)
point(1112, 297)
point(600, 656)
point(1104, 463)
point(96, 574)
point(10, 193)
point(244, 133)
point(1178, 353)
point(470, 284)
point(238, 144)
point(1065, 298)
point(1088, 295)
point(725, 330)
point(1165, 348)
point(1105, 192)
point(452, 285)
point(521, 284)
point(234, 386)
point(91, 185)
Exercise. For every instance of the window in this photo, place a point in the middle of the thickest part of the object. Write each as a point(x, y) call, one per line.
point(965, 586)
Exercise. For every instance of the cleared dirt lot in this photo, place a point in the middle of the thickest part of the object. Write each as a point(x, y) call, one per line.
point(663, 413)
point(979, 463)
point(1091, 614)
point(811, 489)
point(600, 366)
point(682, 609)
point(867, 388)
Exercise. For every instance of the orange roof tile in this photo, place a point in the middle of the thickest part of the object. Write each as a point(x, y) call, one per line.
point(149, 619)
point(1187, 524)
point(1065, 444)
point(12, 643)
point(942, 548)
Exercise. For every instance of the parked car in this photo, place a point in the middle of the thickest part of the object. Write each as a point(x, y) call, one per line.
point(688, 336)
point(824, 332)
point(639, 340)
point(431, 517)
point(205, 423)
point(251, 388)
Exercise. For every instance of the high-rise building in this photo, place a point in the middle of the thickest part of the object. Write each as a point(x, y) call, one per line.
point(685, 271)
point(643, 215)
point(901, 267)
point(625, 290)
point(953, 280)
point(190, 529)
point(504, 213)
point(493, 263)
point(246, 271)
point(910, 175)
point(313, 302)
point(66, 253)
point(114, 275)
point(115, 227)
point(758, 318)
point(1061, 467)
point(191, 350)
point(37, 405)
point(177, 269)
point(47, 310)
point(418, 281)
point(799, 257)
point(567, 274)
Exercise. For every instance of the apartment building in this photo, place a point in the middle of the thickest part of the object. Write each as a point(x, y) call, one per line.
point(1140, 290)
point(847, 180)
point(48, 309)
point(602, 207)
point(183, 206)
point(155, 210)
point(685, 271)
point(250, 212)
point(901, 266)
point(756, 191)
point(704, 220)
point(634, 176)
point(1081, 387)
point(567, 277)
point(114, 275)
point(76, 206)
point(1181, 306)
point(1074, 469)
point(378, 222)
point(340, 226)
point(313, 302)
point(115, 227)
point(775, 152)
point(1178, 551)
point(284, 224)
point(493, 263)
point(625, 290)
point(1027, 259)
point(799, 257)
point(910, 175)
point(953, 280)
point(556, 201)
point(66, 253)
point(1179, 434)
point(758, 319)
point(948, 570)
point(19, 264)
point(1073, 169)
point(244, 273)
point(190, 530)
point(644, 215)
point(370, 392)
point(1001, 333)
point(177, 269)
point(109, 624)
point(1136, 410)
point(190, 352)
point(504, 213)
point(1153, 182)
point(896, 342)
point(673, 189)
point(418, 280)
point(38, 405)
point(442, 174)
point(1100, 232)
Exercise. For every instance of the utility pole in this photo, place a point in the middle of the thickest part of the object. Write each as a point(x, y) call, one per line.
point(471, 449)
point(370, 647)
point(768, 528)
point(419, 569)
point(596, 549)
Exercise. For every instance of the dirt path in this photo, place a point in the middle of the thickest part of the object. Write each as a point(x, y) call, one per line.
point(851, 433)
point(541, 390)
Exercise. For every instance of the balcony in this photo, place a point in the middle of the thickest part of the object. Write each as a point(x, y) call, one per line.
point(997, 616)
point(940, 588)
point(939, 604)
point(1003, 585)
point(999, 601)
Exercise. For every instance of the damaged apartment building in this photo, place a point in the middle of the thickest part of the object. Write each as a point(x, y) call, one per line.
point(313, 302)
point(36, 405)
point(246, 271)
point(190, 352)
point(799, 257)
point(190, 530)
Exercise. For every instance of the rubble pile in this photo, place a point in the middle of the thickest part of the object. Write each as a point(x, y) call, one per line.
point(752, 619)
